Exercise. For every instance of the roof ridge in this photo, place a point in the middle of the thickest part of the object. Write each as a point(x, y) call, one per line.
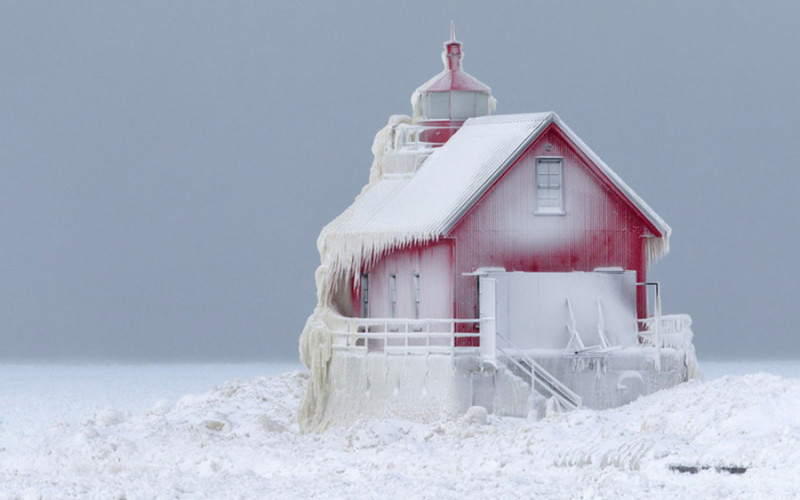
point(511, 118)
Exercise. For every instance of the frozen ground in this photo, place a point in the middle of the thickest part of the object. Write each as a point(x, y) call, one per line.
point(36, 396)
point(126, 432)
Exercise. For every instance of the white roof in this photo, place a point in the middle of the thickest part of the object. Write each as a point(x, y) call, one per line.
point(396, 211)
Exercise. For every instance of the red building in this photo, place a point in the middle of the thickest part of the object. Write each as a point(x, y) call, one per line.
point(518, 192)
point(476, 230)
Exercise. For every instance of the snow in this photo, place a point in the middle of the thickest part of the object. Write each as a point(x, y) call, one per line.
point(394, 212)
point(33, 396)
point(241, 440)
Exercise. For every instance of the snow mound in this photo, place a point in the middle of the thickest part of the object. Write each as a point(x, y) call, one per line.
point(241, 440)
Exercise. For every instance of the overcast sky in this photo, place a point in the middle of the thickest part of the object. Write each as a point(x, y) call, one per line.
point(166, 167)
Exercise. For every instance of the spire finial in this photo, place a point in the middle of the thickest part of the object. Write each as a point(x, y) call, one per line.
point(452, 51)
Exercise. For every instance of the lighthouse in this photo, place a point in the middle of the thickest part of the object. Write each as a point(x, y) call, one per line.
point(491, 260)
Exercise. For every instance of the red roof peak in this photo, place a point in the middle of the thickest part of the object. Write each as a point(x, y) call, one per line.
point(453, 78)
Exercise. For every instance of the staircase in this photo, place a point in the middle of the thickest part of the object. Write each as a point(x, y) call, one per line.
point(540, 379)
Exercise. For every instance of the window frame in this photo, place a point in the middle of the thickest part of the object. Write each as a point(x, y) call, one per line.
point(393, 294)
point(417, 286)
point(539, 190)
point(471, 103)
point(364, 295)
point(432, 102)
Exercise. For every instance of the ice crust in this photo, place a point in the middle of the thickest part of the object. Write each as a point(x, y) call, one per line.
point(241, 440)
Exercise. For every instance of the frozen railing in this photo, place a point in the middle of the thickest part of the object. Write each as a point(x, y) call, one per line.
point(671, 323)
point(404, 335)
point(672, 330)
point(405, 136)
point(539, 378)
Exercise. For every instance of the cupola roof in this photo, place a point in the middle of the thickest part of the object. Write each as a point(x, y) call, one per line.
point(453, 78)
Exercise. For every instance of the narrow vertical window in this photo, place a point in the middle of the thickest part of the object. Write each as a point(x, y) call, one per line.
point(549, 186)
point(416, 295)
point(393, 293)
point(364, 295)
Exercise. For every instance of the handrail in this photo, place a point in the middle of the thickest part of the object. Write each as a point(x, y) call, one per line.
point(379, 321)
point(670, 323)
point(565, 396)
point(407, 136)
point(358, 335)
point(674, 330)
point(657, 315)
point(403, 335)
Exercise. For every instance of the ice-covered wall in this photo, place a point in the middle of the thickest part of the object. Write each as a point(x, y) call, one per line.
point(608, 382)
point(423, 388)
point(534, 309)
point(315, 346)
point(431, 296)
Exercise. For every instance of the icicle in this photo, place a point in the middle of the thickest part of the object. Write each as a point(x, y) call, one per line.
point(601, 325)
point(657, 248)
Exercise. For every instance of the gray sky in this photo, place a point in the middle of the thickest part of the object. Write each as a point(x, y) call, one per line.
point(165, 168)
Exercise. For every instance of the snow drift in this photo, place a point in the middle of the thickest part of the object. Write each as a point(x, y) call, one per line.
point(241, 440)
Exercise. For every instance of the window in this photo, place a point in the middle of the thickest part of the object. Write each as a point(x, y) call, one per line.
point(364, 295)
point(416, 295)
point(393, 293)
point(481, 104)
point(549, 186)
point(438, 106)
point(462, 105)
point(454, 105)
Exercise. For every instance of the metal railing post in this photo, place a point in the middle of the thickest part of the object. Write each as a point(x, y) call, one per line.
point(657, 311)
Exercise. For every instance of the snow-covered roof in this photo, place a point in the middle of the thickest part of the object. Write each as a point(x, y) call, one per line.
point(395, 211)
point(458, 80)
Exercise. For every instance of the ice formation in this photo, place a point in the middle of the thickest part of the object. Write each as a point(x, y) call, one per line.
point(428, 174)
point(395, 210)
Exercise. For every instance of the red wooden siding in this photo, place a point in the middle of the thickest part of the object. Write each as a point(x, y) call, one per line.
point(434, 265)
point(598, 229)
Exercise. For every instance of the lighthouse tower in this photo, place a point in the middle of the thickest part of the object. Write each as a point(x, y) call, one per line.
point(445, 101)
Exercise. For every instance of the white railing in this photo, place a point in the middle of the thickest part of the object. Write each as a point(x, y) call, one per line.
point(407, 136)
point(671, 323)
point(672, 330)
point(404, 335)
point(539, 378)
point(655, 333)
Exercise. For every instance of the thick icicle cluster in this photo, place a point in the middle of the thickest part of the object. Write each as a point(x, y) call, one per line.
point(316, 340)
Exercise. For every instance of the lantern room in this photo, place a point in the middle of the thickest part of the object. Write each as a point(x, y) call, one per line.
point(448, 99)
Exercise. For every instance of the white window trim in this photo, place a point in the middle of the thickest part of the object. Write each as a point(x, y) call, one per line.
point(549, 210)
